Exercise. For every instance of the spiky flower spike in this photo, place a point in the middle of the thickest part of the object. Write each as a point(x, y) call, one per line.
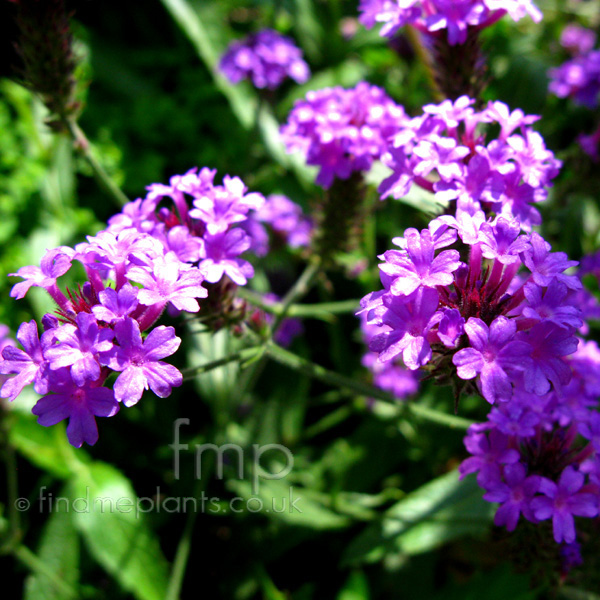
point(45, 46)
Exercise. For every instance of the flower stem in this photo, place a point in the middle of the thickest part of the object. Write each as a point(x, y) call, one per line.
point(302, 365)
point(83, 145)
point(39, 567)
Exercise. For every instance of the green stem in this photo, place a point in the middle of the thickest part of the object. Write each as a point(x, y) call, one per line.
point(182, 556)
point(298, 290)
point(39, 567)
point(302, 365)
point(14, 517)
point(82, 143)
point(241, 355)
point(321, 310)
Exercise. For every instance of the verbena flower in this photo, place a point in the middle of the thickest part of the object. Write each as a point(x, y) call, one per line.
point(267, 58)
point(342, 130)
point(484, 320)
point(170, 252)
point(553, 471)
point(452, 18)
point(578, 78)
point(446, 151)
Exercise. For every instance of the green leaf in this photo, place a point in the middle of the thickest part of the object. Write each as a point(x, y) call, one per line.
point(289, 504)
point(203, 24)
point(118, 537)
point(215, 386)
point(45, 447)
point(356, 588)
point(438, 512)
point(59, 550)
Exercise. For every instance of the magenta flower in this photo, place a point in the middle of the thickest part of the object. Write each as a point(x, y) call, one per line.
point(410, 318)
point(78, 404)
point(514, 496)
point(267, 58)
point(562, 501)
point(77, 346)
point(418, 266)
point(139, 361)
point(27, 365)
point(494, 354)
point(170, 280)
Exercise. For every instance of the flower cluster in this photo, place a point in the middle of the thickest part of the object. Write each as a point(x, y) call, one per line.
point(342, 130)
point(149, 258)
point(579, 77)
point(446, 152)
point(482, 319)
point(434, 16)
point(267, 58)
point(538, 456)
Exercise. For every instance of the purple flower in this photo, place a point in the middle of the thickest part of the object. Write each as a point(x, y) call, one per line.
point(578, 78)
point(222, 252)
point(266, 58)
point(225, 205)
point(342, 130)
point(286, 219)
point(77, 346)
point(409, 318)
point(417, 266)
point(139, 361)
point(514, 496)
point(576, 39)
point(432, 16)
point(502, 241)
point(55, 263)
point(28, 365)
point(78, 404)
point(489, 451)
point(548, 343)
point(545, 265)
point(170, 280)
point(562, 501)
point(494, 354)
point(551, 304)
point(114, 305)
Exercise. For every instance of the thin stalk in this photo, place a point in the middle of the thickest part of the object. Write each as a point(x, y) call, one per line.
point(39, 567)
point(298, 290)
point(82, 144)
point(241, 355)
point(319, 310)
point(14, 517)
point(302, 365)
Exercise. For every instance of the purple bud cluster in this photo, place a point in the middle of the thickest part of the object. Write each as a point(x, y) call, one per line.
point(150, 257)
point(445, 151)
point(434, 16)
point(342, 130)
point(266, 58)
